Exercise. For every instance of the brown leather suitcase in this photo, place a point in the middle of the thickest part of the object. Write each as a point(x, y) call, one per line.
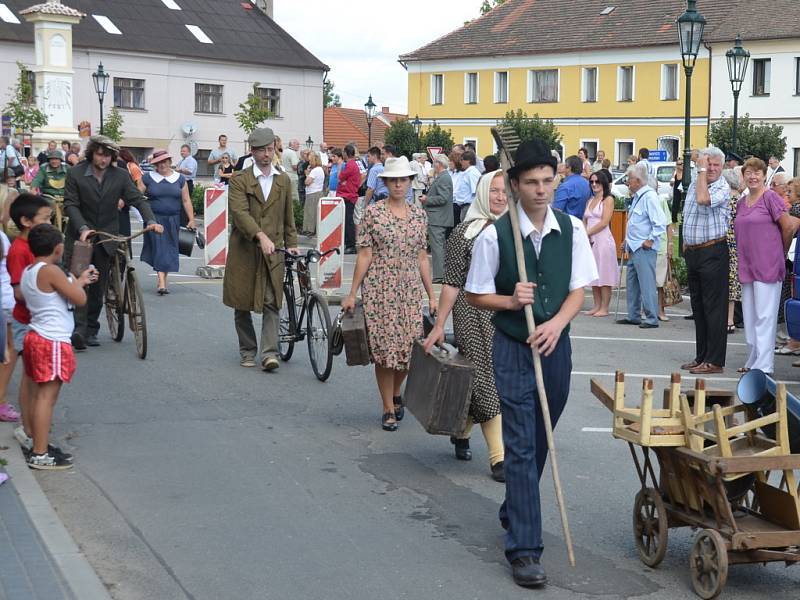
point(81, 257)
point(354, 334)
point(439, 388)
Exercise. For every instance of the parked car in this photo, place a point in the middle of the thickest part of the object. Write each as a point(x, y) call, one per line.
point(664, 173)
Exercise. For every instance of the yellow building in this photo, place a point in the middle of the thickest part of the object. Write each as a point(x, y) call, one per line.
point(609, 77)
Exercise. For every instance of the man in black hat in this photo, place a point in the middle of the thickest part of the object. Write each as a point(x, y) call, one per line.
point(733, 160)
point(559, 263)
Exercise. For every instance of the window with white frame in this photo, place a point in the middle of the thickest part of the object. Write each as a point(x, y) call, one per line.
point(501, 87)
point(270, 100)
point(474, 142)
point(208, 98)
point(470, 88)
point(669, 82)
point(437, 88)
point(625, 83)
point(591, 148)
point(129, 93)
point(624, 151)
point(796, 172)
point(797, 76)
point(543, 85)
point(589, 84)
point(761, 76)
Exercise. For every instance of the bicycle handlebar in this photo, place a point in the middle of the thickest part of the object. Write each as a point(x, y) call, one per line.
point(311, 256)
point(110, 237)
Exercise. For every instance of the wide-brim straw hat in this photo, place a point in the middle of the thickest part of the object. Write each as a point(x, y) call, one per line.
point(397, 167)
point(158, 156)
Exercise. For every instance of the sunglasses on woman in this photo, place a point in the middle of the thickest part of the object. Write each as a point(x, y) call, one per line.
point(594, 181)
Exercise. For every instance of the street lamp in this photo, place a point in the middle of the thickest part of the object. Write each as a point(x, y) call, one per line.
point(690, 34)
point(309, 143)
point(417, 126)
point(737, 58)
point(100, 78)
point(369, 111)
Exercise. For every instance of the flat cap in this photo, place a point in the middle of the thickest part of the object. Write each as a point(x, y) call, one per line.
point(263, 136)
point(55, 154)
point(105, 141)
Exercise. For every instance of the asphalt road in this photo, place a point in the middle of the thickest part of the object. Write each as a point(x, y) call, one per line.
point(196, 478)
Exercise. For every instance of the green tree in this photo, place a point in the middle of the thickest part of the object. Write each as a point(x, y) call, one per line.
point(528, 128)
point(252, 111)
point(752, 139)
point(489, 5)
point(436, 136)
point(21, 106)
point(112, 126)
point(401, 134)
point(329, 97)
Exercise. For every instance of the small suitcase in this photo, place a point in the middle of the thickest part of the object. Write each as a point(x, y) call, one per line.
point(81, 257)
point(439, 388)
point(354, 334)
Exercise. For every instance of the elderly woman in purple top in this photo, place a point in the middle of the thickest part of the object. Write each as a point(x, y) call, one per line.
point(764, 230)
point(167, 192)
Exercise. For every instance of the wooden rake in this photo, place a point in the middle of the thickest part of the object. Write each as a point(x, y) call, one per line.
point(507, 142)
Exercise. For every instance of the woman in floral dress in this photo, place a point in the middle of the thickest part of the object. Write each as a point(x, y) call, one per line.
point(393, 266)
point(473, 327)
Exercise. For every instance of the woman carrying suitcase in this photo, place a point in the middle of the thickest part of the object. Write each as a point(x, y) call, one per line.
point(473, 327)
point(393, 265)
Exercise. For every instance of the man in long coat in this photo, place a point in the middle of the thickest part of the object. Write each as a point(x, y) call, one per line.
point(262, 217)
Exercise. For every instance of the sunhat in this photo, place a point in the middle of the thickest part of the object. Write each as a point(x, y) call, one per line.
point(397, 167)
point(158, 156)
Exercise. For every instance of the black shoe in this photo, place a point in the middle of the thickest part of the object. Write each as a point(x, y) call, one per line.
point(389, 422)
point(399, 409)
point(627, 322)
point(527, 572)
point(689, 317)
point(78, 342)
point(58, 453)
point(648, 326)
point(350, 250)
point(92, 341)
point(499, 473)
point(462, 448)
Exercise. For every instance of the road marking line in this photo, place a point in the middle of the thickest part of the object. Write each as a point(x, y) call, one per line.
point(622, 339)
point(653, 376)
point(597, 429)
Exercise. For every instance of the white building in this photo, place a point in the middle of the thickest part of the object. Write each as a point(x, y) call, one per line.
point(179, 70)
point(770, 92)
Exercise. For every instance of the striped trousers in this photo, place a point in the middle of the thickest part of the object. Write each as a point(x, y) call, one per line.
point(524, 434)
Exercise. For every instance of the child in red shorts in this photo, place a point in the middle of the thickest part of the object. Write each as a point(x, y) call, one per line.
point(49, 360)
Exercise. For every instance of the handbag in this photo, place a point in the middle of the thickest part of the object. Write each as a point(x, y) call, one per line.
point(672, 289)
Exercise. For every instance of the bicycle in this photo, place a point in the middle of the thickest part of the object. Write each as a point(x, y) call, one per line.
point(123, 295)
point(59, 218)
point(318, 322)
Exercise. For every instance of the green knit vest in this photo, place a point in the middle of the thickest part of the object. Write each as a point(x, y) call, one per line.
point(551, 274)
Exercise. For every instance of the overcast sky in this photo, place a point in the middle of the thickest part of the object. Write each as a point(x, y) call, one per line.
point(360, 41)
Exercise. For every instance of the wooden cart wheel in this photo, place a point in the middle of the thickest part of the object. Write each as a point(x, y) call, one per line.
point(650, 526)
point(708, 562)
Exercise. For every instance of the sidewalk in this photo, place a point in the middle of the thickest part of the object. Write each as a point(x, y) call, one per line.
point(38, 558)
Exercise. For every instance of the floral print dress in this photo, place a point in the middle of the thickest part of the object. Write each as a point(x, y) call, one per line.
point(392, 290)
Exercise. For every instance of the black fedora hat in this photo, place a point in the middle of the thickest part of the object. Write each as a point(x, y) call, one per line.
point(733, 156)
point(530, 154)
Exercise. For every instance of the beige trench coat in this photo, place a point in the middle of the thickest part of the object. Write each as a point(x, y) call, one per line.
point(247, 269)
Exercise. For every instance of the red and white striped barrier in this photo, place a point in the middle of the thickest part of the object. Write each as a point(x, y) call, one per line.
point(216, 221)
point(330, 234)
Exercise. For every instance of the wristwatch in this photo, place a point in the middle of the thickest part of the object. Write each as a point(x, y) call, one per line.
point(702, 170)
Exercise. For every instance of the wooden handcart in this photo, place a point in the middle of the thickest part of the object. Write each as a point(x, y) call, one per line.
point(716, 479)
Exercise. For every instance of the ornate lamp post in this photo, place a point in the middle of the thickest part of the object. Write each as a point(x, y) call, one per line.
point(100, 78)
point(309, 143)
point(737, 58)
point(690, 34)
point(369, 111)
point(417, 127)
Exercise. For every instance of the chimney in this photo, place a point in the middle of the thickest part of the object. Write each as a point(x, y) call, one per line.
point(265, 6)
point(385, 110)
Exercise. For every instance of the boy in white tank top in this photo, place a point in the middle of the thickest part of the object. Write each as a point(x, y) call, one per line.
point(48, 356)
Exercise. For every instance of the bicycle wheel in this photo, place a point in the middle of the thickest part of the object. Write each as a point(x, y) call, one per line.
point(136, 317)
point(115, 305)
point(287, 324)
point(319, 328)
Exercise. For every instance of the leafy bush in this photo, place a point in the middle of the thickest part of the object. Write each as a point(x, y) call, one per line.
point(298, 215)
point(679, 268)
point(401, 134)
point(757, 139)
point(528, 128)
point(436, 136)
point(198, 199)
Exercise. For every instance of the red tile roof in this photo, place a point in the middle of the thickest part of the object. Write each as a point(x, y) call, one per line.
point(519, 27)
point(345, 125)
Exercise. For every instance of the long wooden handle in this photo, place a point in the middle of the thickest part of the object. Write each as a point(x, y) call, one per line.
point(537, 366)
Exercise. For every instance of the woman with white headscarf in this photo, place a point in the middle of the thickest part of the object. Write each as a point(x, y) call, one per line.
point(473, 327)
